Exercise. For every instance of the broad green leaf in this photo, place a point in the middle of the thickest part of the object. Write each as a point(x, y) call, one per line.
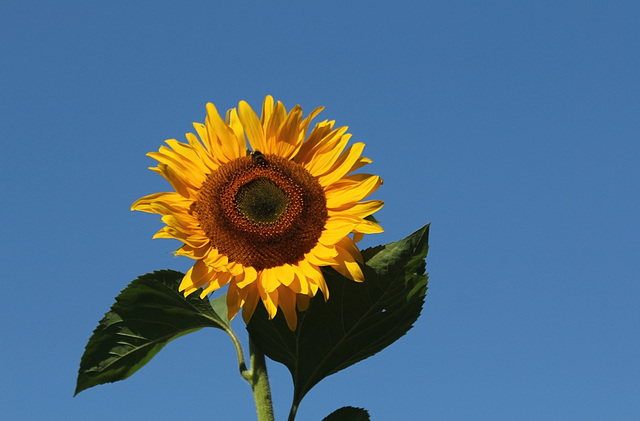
point(147, 314)
point(357, 321)
point(348, 413)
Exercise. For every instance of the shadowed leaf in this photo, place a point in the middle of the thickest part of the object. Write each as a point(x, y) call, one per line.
point(348, 413)
point(357, 321)
point(147, 314)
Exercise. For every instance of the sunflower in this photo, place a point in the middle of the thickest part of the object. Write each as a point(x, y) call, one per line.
point(264, 220)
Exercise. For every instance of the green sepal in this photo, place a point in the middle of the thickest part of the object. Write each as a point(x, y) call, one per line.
point(147, 314)
point(348, 413)
point(358, 320)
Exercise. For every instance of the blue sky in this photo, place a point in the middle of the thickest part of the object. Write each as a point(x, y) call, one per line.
point(511, 126)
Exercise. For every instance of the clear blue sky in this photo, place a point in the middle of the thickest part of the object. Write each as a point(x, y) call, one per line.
point(511, 126)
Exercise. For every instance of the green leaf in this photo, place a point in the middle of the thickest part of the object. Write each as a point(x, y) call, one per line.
point(357, 321)
point(147, 314)
point(348, 413)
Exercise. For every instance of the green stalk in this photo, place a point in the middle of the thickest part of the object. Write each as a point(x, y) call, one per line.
point(259, 381)
point(256, 377)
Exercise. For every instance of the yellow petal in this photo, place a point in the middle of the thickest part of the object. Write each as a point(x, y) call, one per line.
point(360, 209)
point(336, 229)
point(167, 202)
point(235, 269)
point(368, 227)
point(310, 146)
point(330, 149)
point(218, 280)
point(324, 252)
point(314, 276)
point(202, 152)
point(301, 283)
point(215, 259)
point(195, 253)
point(229, 145)
point(195, 240)
point(185, 229)
point(347, 260)
point(351, 189)
point(269, 299)
point(287, 302)
point(211, 145)
point(305, 123)
point(269, 279)
point(174, 179)
point(272, 118)
point(267, 110)
point(236, 126)
point(343, 165)
point(322, 255)
point(190, 174)
point(284, 274)
point(350, 270)
point(361, 162)
point(234, 301)
point(288, 134)
point(348, 246)
point(252, 127)
point(188, 152)
point(195, 278)
point(250, 275)
point(250, 304)
point(302, 302)
point(319, 262)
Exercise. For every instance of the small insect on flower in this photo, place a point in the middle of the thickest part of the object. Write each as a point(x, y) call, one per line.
point(258, 157)
point(265, 223)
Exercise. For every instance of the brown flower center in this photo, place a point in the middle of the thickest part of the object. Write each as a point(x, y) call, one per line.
point(262, 210)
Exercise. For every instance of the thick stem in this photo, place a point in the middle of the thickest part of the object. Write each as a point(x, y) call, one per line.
point(260, 383)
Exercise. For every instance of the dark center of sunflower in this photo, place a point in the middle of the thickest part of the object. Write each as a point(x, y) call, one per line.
point(262, 210)
point(261, 201)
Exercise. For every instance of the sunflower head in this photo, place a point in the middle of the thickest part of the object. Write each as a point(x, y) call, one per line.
point(264, 217)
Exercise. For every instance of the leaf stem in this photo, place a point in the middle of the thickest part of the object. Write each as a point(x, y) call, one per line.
point(293, 411)
point(244, 372)
point(259, 381)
